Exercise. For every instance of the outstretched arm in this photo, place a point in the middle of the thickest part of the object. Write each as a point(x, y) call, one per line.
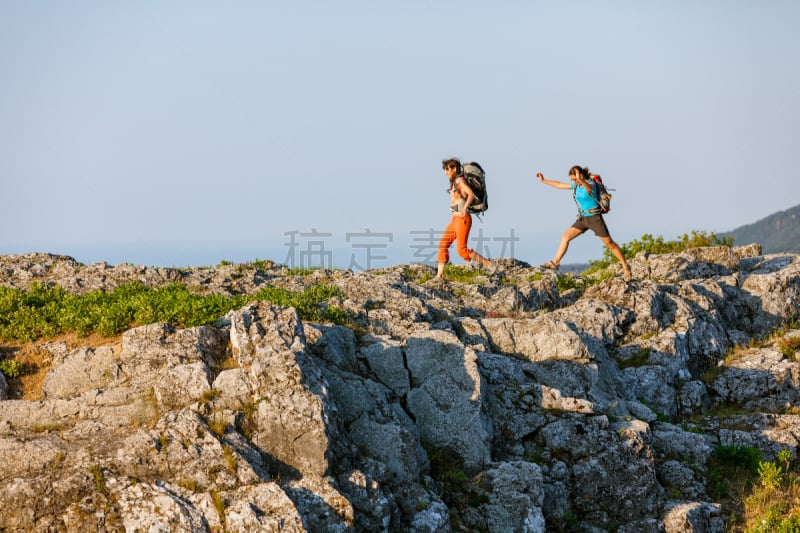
point(553, 183)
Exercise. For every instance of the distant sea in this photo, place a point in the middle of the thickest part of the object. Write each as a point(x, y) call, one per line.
point(365, 252)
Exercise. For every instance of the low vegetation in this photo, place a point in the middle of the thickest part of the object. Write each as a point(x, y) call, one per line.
point(757, 496)
point(45, 312)
point(12, 369)
point(657, 245)
point(788, 346)
point(462, 274)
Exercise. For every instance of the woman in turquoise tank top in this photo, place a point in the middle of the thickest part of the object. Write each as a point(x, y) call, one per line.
point(584, 197)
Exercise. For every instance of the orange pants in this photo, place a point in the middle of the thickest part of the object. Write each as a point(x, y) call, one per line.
point(457, 230)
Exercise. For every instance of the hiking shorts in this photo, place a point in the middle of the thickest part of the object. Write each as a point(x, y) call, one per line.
point(594, 223)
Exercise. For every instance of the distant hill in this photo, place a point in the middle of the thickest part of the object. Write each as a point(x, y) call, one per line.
point(779, 232)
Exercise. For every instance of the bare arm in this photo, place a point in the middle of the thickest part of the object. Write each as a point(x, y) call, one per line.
point(468, 195)
point(585, 184)
point(553, 183)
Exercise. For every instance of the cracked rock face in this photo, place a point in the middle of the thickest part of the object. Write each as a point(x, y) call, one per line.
point(496, 405)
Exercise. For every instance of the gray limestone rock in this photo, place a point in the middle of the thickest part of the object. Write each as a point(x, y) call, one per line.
point(546, 411)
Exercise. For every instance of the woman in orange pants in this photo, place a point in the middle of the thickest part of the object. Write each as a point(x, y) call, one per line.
point(458, 230)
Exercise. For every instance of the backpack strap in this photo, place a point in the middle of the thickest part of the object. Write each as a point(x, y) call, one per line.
point(581, 212)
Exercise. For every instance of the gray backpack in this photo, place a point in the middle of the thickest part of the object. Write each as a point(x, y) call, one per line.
point(476, 179)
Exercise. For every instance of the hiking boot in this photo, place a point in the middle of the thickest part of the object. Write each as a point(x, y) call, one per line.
point(549, 265)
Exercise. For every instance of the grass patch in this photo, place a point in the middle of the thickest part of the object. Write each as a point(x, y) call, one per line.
point(568, 282)
point(47, 428)
point(786, 344)
point(230, 458)
point(424, 278)
point(418, 273)
point(640, 358)
point(218, 426)
point(650, 335)
point(445, 468)
point(461, 274)
point(58, 460)
point(731, 469)
point(219, 505)
point(190, 484)
point(162, 442)
point(301, 271)
point(789, 345)
point(760, 496)
point(46, 312)
point(208, 396)
point(99, 481)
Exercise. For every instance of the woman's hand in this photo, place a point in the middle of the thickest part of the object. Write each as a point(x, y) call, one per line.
point(540, 176)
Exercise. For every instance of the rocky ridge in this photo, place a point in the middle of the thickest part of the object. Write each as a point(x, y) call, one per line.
point(503, 405)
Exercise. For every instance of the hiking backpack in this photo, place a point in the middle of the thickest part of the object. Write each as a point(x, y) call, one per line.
point(601, 196)
point(476, 179)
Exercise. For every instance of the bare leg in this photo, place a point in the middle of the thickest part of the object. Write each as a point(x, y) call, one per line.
point(570, 234)
point(617, 251)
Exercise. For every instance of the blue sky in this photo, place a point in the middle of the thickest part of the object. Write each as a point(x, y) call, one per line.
point(189, 132)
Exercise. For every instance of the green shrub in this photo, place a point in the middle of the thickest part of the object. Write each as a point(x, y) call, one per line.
point(580, 283)
point(739, 463)
point(738, 456)
point(13, 369)
point(772, 504)
point(568, 282)
point(657, 245)
point(770, 474)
